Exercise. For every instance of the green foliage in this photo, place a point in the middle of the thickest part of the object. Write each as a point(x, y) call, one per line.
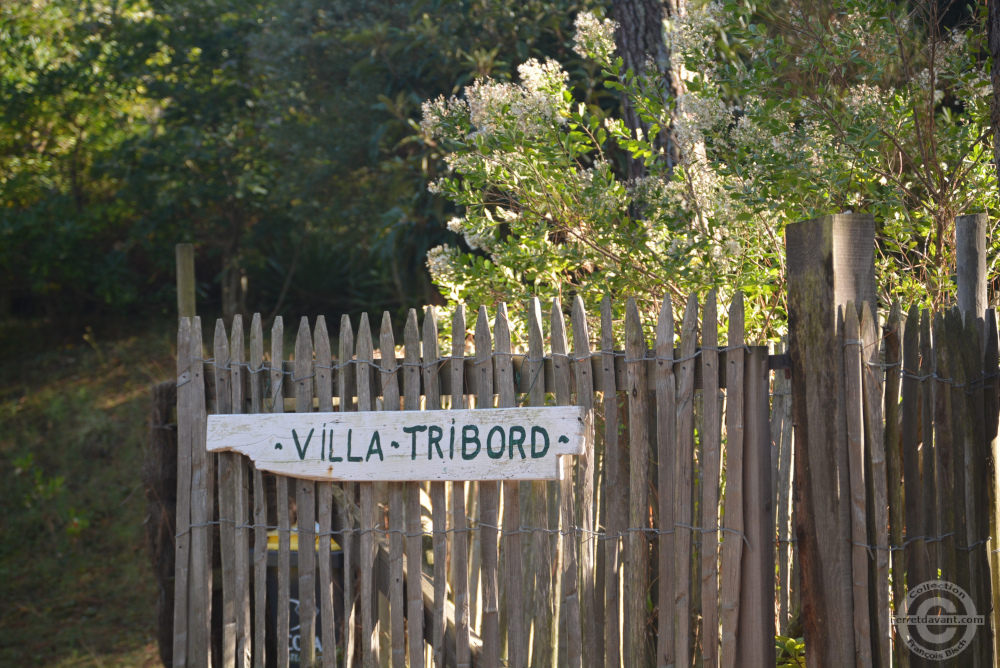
point(45, 497)
point(864, 107)
point(280, 137)
point(68, 97)
point(342, 88)
point(790, 652)
point(869, 106)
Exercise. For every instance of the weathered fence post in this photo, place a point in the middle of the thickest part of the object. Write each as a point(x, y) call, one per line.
point(830, 262)
point(185, 280)
point(970, 263)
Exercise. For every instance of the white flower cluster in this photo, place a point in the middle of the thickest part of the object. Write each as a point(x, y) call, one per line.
point(476, 239)
point(696, 116)
point(866, 99)
point(547, 77)
point(442, 117)
point(479, 240)
point(507, 215)
point(689, 33)
point(530, 108)
point(594, 38)
point(440, 260)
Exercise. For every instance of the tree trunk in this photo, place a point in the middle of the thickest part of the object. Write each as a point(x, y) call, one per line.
point(640, 43)
point(233, 299)
point(993, 37)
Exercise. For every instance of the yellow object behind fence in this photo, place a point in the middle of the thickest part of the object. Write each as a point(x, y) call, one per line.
point(272, 540)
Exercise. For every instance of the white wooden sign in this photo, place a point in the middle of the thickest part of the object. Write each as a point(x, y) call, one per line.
point(484, 444)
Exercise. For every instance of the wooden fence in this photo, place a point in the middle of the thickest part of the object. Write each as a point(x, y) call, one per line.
point(699, 523)
point(656, 548)
point(920, 406)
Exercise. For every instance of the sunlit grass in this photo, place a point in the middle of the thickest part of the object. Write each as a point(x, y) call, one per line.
point(74, 574)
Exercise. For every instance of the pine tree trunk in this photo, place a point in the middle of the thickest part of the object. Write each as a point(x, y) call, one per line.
point(639, 39)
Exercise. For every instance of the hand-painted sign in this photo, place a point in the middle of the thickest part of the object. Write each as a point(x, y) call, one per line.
point(485, 444)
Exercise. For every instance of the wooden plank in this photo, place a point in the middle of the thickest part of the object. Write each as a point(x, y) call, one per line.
point(684, 476)
point(227, 501)
point(977, 481)
point(569, 584)
point(545, 642)
point(517, 638)
point(305, 491)
point(711, 439)
point(991, 405)
point(460, 544)
point(944, 455)
point(617, 502)
point(200, 582)
point(387, 382)
point(414, 525)
point(782, 407)
point(928, 457)
point(963, 494)
point(916, 556)
point(854, 412)
point(637, 573)
point(871, 375)
point(324, 498)
point(756, 631)
point(347, 387)
point(489, 503)
point(401, 446)
point(501, 329)
point(369, 512)
point(600, 560)
point(431, 379)
point(281, 484)
point(241, 494)
point(182, 554)
point(666, 435)
point(892, 335)
point(390, 403)
point(585, 473)
point(732, 519)
point(257, 371)
point(788, 459)
point(776, 417)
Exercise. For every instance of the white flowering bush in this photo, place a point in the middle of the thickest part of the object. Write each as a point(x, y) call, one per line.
point(866, 109)
point(870, 108)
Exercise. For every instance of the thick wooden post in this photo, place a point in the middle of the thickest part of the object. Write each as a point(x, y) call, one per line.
point(755, 631)
point(185, 281)
point(831, 260)
point(970, 262)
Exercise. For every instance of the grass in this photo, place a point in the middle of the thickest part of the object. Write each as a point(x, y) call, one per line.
point(75, 580)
